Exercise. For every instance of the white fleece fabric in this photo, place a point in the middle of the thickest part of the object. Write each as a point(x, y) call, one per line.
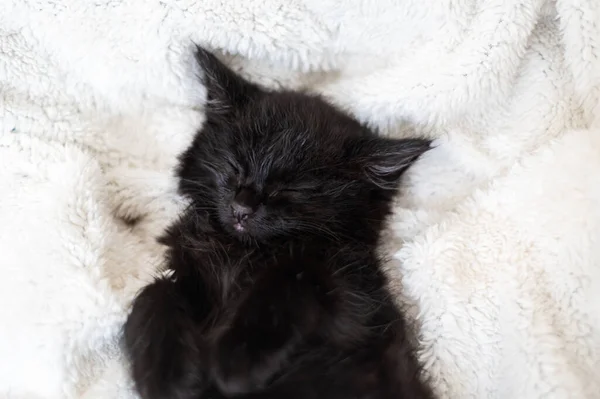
point(496, 239)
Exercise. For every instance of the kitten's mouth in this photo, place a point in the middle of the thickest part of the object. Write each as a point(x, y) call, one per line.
point(239, 227)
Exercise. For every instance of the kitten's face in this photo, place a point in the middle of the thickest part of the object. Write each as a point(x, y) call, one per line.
point(270, 165)
point(270, 181)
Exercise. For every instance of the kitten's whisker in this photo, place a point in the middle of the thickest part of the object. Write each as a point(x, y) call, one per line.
point(337, 236)
point(307, 226)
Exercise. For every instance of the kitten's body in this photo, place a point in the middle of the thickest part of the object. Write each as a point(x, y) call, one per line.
point(276, 288)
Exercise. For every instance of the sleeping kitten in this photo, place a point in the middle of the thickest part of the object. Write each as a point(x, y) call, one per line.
point(275, 289)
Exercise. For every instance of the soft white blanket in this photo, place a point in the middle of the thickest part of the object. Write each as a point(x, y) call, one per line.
point(497, 238)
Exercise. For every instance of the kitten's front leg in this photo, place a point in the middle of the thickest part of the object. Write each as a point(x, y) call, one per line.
point(162, 340)
point(267, 328)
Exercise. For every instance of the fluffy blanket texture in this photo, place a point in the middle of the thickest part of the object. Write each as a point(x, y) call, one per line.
point(496, 240)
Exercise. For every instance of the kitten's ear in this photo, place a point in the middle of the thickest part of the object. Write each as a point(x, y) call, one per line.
point(384, 160)
point(226, 90)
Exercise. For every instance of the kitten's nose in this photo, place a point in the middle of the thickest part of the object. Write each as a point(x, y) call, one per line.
point(240, 211)
point(243, 204)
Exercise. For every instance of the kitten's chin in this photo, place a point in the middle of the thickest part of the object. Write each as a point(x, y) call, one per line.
point(234, 227)
point(246, 235)
point(241, 231)
point(245, 232)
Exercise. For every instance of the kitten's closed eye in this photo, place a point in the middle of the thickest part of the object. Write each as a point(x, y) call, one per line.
point(283, 192)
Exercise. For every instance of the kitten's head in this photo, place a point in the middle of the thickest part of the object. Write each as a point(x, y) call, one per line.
point(268, 164)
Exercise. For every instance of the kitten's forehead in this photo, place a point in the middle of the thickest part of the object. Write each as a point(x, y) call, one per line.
point(279, 133)
point(286, 149)
point(282, 154)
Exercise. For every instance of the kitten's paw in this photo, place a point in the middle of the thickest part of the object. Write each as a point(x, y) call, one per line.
point(160, 340)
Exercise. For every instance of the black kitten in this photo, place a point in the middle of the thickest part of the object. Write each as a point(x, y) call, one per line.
point(276, 289)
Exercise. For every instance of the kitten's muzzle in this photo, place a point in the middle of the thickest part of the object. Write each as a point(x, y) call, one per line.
point(243, 205)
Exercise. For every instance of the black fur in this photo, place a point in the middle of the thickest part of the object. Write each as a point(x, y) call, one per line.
point(276, 289)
